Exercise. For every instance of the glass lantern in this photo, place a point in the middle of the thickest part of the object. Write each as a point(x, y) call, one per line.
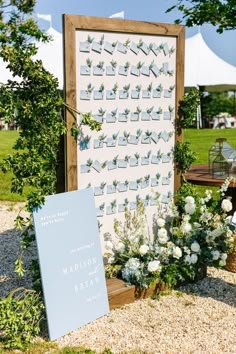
point(222, 159)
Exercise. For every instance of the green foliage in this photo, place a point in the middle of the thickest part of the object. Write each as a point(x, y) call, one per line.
point(183, 157)
point(216, 102)
point(220, 13)
point(187, 111)
point(20, 315)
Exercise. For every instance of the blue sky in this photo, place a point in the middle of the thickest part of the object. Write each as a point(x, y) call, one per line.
point(148, 10)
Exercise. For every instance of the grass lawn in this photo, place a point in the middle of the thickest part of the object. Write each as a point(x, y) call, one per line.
point(200, 140)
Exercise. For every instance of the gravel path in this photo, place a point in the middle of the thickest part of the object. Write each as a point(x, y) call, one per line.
point(197, 318)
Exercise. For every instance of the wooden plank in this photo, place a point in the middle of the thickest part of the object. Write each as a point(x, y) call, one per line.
point(119, 294)
point(180, 50)
point(119, 25)
point(70, 98)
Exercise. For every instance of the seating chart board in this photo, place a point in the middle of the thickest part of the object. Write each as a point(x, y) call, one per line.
point(129, 75)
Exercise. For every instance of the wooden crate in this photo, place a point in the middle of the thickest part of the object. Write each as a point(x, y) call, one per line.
point(120, 294)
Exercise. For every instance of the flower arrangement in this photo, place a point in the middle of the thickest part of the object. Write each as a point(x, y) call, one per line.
point(188, 235)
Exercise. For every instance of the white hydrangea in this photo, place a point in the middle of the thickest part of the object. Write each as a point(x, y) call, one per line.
point(186, 227)
point(177, 252)
point(195, 247)
point(154, 266)
point(160, 222)
point(143, 249)
point(190, 208)
point(194, 258)
point(226, 205)
point(215, 255)
point(162, 235)
point(189, 200)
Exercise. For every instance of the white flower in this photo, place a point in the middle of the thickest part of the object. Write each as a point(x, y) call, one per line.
point(132, 264)
point(143, 249)
point(162, 235)
point(177, 252)
point(108, 245)
point(190, 208)
point(154, 266)
point(224, 256)
point(222, 263)
point(195, 247)
point(110, 260)
point(187, 259)
point(226, 205)
point(186, 227)
point(215, 255)
point(160, 222)
point(194, 258)
point(119, 247)
point(189, 200)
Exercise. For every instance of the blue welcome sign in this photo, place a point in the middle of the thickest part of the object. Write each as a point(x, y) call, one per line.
point(71, 261)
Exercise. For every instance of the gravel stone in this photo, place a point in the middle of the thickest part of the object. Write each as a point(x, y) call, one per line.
point(196, 318)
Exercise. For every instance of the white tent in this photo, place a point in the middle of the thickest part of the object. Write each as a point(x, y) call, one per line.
point(51, 55)
point(203, 68)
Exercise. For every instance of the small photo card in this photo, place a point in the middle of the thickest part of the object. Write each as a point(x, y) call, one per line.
point(133, 186)
point(111, 189)
point(85, 70)
point(122, 187)
point(97, 166)
point(134, 48)
point(84, 47)
point(134, 117)
point(122, 163)
point(111, 165)
point(110, 71)
point(145, 71)
point(97, 47)
point(134, 71)
point(108, 47)
point(85, 95)
point(121, 48)
point(122, 141)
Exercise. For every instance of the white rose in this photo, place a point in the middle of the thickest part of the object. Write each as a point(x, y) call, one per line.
point(143, 249)
point(224, 256)
point(226, 205)
point(190, 208)
point(215, 255)
point(162, 235)
point(194, 258)
point(186, 227)
point(160, 222)
point(189, 200)
point(195, 247)
point(154, 266)
point(177, 252)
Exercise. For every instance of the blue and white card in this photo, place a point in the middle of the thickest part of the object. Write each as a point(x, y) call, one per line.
point(71, 261)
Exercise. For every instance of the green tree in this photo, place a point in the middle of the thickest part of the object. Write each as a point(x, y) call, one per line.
point(216, 102)
point(220, 13)
point(35, 102)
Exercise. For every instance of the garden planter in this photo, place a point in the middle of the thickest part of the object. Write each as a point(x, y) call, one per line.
point(120, 294)
point(231, 259)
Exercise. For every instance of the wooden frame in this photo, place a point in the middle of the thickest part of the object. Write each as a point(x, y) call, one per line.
point(76, 22)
